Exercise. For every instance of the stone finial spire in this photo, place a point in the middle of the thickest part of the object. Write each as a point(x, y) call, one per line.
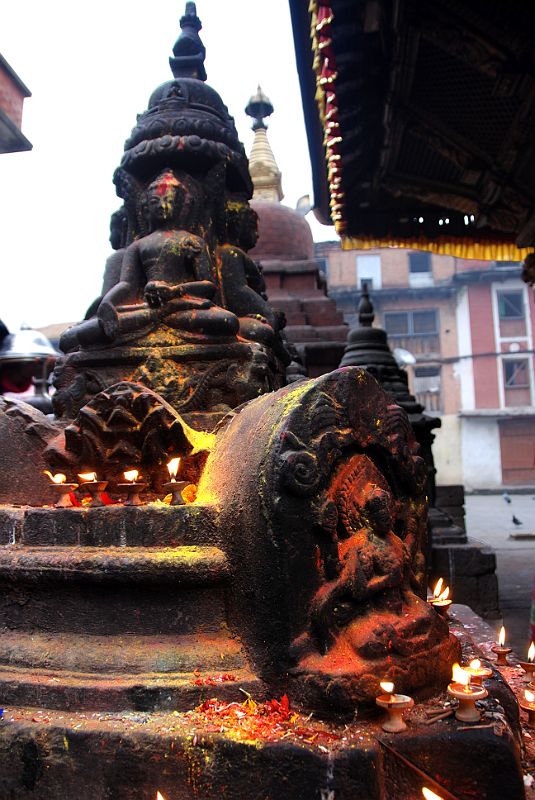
point(366, 310)
point(265, 173)
point(189, 52)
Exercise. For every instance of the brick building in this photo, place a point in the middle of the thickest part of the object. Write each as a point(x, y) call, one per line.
point(469, 325)
point(12, 95)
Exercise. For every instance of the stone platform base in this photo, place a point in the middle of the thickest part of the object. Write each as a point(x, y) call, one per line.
point(48, 755)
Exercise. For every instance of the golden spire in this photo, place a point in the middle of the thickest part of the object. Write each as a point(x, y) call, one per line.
point(265, 173)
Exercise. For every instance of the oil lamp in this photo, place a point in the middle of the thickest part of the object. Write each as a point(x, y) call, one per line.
point(477, 672)
point(529, 665)
point(466, 694)
point(61, 488)
point(528, 704)
point(395, 705)
point(93, 487)
point(174, 486)
point(133, 488)
point(440, 599)
point(500, 649)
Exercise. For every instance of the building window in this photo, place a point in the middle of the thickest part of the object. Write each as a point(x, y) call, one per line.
point(419, 262)
point(511, 314)
point(516, 383)
point(420, 269)
point(411, 323)
point(417, 330)
point(426, 387)
point(369, 270)
point(511, 305)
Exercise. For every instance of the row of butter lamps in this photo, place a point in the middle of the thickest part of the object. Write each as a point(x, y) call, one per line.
point(133, 487)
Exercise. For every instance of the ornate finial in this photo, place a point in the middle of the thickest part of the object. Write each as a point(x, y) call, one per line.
point(189, 52)
point(366, 311)
point(259, 107)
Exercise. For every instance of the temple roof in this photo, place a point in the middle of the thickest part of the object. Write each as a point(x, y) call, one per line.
point(420, 119)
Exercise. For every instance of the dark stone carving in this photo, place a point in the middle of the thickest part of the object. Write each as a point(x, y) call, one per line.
point(24, 433)
point(333, 497)
point(180, 291)
point(124, 425)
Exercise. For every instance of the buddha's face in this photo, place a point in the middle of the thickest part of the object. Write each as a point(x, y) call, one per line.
point(162, 197)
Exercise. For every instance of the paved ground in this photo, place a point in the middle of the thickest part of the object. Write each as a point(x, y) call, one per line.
point(489, 519)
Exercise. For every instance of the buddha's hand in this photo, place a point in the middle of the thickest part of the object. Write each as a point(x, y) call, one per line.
point(158, 293)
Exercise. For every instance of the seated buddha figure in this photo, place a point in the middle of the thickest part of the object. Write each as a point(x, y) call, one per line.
point(241, 281)
point(167, 276)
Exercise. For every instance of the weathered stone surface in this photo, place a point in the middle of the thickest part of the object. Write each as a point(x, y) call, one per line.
point(342, 602)
point(24, 434)
point(119, 526)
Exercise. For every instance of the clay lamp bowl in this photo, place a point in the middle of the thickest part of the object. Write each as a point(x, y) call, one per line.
point(394, 705)
point(528, 704)
point(133, 488)
point(529, 665)
point(466, 694)
point(62, 489)
point(173, 486)
point(500, 649)
point(477, 672)
point(93, 487)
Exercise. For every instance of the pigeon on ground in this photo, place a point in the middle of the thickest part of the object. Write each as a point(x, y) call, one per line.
point(517, 521)
point(506, 497)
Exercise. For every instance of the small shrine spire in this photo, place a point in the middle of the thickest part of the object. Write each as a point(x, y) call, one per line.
point(265, 174)
point(189, 52)
point(366, 310)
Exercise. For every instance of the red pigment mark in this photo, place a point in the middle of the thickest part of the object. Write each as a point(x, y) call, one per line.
point(224, 677)
point(271, 720)
point(319, 560)
point(74, 500)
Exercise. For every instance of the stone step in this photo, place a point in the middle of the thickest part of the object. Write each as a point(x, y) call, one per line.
point(128, 653)
point(58, 689)
point(130, 526)
point(113, 590)
point(186, 565)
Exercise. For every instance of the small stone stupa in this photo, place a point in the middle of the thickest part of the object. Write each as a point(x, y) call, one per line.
point(285, 250)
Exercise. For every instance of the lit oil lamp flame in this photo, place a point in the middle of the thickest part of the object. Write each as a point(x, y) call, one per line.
point(173, 468)
point(387, 687)
point(429, 795)
point(131, 475)
point(530, 696)
point(159, 796)
point(531, 652)
point(459, 675)
point(438, 588)
point(59, 477)
point(501, 637)
point(475, 663)
point(87, 477)
point(444, 596)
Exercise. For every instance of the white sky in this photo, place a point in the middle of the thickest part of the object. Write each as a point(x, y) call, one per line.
point(91, 68)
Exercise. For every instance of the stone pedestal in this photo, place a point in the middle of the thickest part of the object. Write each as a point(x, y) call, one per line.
point(200, 753)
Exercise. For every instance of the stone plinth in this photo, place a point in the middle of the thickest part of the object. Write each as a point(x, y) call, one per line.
point(130, 755)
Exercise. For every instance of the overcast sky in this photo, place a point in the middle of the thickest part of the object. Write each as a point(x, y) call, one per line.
point(91, 68)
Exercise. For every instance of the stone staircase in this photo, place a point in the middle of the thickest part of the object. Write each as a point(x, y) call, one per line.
point(115, 608)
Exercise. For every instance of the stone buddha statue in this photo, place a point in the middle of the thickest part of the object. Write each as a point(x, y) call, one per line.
point(167, 276)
